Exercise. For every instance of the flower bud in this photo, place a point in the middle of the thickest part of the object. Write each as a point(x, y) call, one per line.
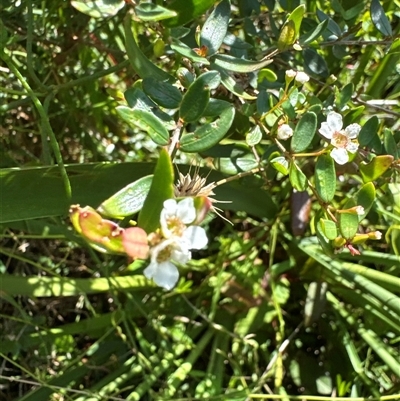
point(301, 78)
point(284, 132)
point(375, 235)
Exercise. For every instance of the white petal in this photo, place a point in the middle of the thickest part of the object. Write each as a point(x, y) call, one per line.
point(150, 270)
point(326, 131)
point(186, 211)
point(352, 147)
point(334, 121)
point(196, 236)
point(352, 131)
point(181, 255)
point(164, 274)
point(170, 206)
point(340, 156)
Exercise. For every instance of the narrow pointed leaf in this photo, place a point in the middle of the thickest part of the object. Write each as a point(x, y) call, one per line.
point(239, 64)
point(161, 189)
point(139, 62)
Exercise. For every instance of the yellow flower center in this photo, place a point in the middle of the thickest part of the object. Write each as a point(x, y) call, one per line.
point(340, 140)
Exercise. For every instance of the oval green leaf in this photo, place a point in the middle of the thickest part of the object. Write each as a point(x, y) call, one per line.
point(196, 98)
point(153, 12)
point(147, 122)
point(375, 168)
point(99, 8)
point(128, 200)
point(329, 228)
point(366, 197)
point(304, 132)
point(325, 178)
point(209, 134)
point(297, 178)
point(348, 224)
point(215, 28)
point(369, 131)
point(163, 93)
point(161, 189)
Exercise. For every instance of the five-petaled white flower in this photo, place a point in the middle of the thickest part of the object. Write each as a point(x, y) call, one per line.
point(178, 240)
point(340, 138)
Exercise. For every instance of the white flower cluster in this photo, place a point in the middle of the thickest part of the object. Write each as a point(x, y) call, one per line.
point(177, 238)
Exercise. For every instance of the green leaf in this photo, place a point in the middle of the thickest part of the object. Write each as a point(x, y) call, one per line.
point(348, 224)
point(325, 178)
point(161, 189)
point(38, 192)
point(196, 98)
point(344, 95)
point(369, 131)
point(380, 19)
point(215, 28)
point(147, 122)
point(187, 52)
point(187, 10)
point(239, 64)
point(314, 64)
point(254, 137)
point(153, 12)
point(232, 159)
point(315, 302)
point(314, 33)
point(390, 143)
point(329, 228)
point(304, 132)
point(231, 84)
point(139, 62)
point(128, 200)
point(208, 134)
point(99, 8)
point(375, 168)
point(163, 93)
point(297, 17)
point(287, 36)
point(297, 178)
point(366, 197)
point(280, 164)
point(137, 99)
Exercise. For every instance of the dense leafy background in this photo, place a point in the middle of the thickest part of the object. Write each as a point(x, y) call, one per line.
point(265, 311)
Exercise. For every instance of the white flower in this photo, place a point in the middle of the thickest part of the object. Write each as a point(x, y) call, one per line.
point(284, 132)
point(177, 243)
point(290, 73)
point(302, 78)
point(340, 139)
point(175, 216)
